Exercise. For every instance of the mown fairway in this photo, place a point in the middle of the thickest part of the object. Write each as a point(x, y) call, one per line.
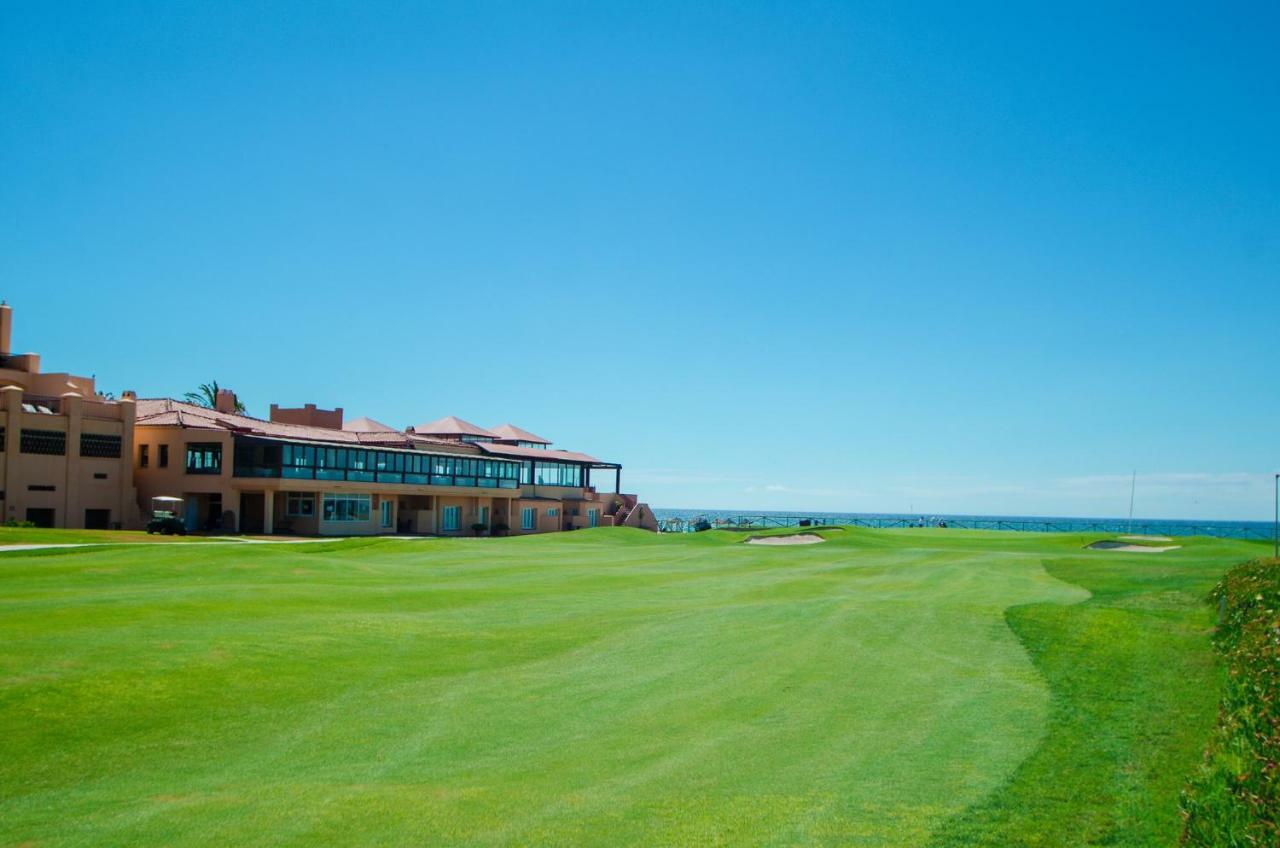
point(605, 687)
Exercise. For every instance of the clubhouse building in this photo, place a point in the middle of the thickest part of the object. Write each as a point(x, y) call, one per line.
point(304, 470)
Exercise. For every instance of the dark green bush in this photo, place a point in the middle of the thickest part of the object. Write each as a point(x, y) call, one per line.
point(1234, 800)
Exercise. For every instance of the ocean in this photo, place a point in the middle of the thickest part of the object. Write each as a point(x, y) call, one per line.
point(679, 520)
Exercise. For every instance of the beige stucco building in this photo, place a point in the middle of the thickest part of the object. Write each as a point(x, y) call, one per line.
point(306, 472)
point(70, 457)
point(65, 450)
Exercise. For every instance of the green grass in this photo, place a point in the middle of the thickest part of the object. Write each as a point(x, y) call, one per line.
point(53, 536)
point(606, 687)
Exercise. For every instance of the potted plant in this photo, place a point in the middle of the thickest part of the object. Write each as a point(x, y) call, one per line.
point(478, 528)
point(500, 529)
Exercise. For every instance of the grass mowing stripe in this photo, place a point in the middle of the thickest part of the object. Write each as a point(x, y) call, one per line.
point(599, 687)
point(1134, 684)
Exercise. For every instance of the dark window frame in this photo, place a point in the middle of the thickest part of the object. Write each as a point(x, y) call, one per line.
point(44, 442)
point(207, 458)
point(101, 446)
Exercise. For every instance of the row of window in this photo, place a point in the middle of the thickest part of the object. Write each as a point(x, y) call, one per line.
point(551, 474)
point(54, 443)
point(336, 507)
point(344, 507)
point(306, 462)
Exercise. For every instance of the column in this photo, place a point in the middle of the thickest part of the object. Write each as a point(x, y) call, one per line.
point(13, 485)
point(128, 516)
point(72, 513)
point(268, 512)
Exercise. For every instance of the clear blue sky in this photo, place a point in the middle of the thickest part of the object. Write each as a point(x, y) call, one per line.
point(848, 256)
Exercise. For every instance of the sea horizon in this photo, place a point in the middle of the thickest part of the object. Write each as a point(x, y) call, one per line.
point(1235, 528)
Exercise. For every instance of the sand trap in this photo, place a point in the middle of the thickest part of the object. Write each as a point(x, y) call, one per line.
point(1132, 549)
point(1149, 538)
point(797, 539)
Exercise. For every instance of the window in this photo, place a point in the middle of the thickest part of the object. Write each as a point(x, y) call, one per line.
point(204, 458)
point(528, 518)
point(259, 458)
point(47, 442)
point(557, 474)
point(386, 506)
point(593, 518)
point(484, 516)
point(344, 507)
point(144, 456)
point(99, 445)
point(299, 504)
point(164, 457)
point(452, 518)
point(552, 512)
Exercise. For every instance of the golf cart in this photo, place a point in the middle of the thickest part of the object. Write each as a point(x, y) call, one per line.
point(166, 516)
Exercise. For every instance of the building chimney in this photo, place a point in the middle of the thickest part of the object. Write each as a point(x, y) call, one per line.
point(307, 415)
point(6, 327)
point(225, 401)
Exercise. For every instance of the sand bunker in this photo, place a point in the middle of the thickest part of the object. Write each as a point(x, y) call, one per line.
point(1132, 549)
point(797, 539)
point(1148, 538)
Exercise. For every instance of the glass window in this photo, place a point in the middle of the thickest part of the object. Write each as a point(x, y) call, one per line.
point(552, 512)
point(144, 456)
point(452, 518)
point(386, 507)
point(345, 507)
point(557, 474)
point(528, 518)
point(299, 504)
point(593, 518)
point(204, 458)
point(163, 459)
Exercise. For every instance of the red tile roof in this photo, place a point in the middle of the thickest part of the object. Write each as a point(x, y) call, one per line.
point(536, 453)
point(512, 433)
point(166, 412)
point(451, 425)
point(367, 425)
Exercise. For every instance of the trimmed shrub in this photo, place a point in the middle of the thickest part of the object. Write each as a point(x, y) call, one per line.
point(1234, 800)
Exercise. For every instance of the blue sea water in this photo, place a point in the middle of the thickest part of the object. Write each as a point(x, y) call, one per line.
point(683, 519)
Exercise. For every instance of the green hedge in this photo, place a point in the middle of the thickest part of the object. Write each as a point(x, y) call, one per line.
point(1234, 800)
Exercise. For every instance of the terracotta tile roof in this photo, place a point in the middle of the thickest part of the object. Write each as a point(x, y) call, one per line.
point(367, 425)
point(512, 433)
point(536, 453)
point(166, 412)
point(451, 425)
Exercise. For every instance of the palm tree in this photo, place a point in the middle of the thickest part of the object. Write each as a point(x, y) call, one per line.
point(207, 396)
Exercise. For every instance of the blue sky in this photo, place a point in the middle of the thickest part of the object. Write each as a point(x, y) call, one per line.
point(935, 257)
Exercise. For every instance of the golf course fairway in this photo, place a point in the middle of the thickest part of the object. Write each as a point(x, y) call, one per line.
point(606, 687)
